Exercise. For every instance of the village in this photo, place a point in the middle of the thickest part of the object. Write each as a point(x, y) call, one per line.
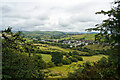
point(76, 43)
point(72, 43)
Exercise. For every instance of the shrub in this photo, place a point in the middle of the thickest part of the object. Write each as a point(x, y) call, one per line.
point(75, 53)
point(50, 64)
point(73, 59)
point(53, 74)
point(87, 64)
point(103, 62)
point(39, 62)
point(57, 57)
point(59, 64)
point(67, 55)
point(66, 61)
point(78, 57)
point(70, 53)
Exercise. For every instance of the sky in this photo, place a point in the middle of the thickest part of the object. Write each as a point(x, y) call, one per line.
point(52, 15)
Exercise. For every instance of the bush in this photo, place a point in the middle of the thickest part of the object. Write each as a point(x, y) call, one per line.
point(59, 64)
point(57, 57)
point(50, 64)
point(66, 61)
point(103, 62)
point(67, 55)
point(70, 53)
point(87, 64)
point(75, 53)
point(39, 62)
point(78, 57)
point(53, 74)
point(73, 59)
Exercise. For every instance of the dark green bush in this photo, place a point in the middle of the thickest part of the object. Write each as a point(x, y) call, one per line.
point(75, 53)
point(59, 64)
point(66, 61)
point(78, 57)
point(103, 62)
point(87, 64)
point(73, 59)
point(57, 57)
point(50, 64)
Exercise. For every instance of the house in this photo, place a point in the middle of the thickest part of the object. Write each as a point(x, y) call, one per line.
point(42, 40)
point(71, 46)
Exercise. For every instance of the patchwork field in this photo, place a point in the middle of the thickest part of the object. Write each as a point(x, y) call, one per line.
point(48, 49)
point(97, 47)
point(63, 70)
point(46, 57)
point(86, 36)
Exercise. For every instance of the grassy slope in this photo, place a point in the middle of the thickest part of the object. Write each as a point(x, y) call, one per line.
point(63, 70)
point(46, 57)
point(49, 48)
point(74, 37)
point(42, 34)
point(96, 47)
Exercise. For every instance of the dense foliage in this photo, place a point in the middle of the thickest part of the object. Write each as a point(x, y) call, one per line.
point(16, 63)
point(57, 58)
point(101, 70)
point(108, 69)
point(110, 32)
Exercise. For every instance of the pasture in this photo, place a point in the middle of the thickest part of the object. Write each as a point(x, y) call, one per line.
point(63, 70)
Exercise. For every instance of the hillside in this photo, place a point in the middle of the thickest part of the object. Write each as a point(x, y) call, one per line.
point(58, 35)
point(75, 37)
point(42, 34)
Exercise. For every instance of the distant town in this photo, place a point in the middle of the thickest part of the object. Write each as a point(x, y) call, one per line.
point(72, 43)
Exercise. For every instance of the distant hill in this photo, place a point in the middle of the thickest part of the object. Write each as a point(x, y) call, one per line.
point(44, 34)
point(80, 36)
point(58, 35)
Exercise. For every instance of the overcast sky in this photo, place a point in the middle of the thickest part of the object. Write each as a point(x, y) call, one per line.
point(52, 15)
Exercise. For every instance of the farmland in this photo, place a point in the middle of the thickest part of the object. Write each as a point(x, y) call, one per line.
point(57, 60)
point(52, 43)
point(63, 70)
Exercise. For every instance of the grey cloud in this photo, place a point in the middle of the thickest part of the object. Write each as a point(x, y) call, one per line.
point(42, 17)
point(17, 16)
point(53, 15)
point(5, 9)
point(82, 18)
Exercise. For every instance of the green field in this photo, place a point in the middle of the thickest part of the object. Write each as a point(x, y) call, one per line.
point(57, 35)
point(75, 37)
point(97, 47)
point(46, 57)
point(63, 70)
point(49, 48)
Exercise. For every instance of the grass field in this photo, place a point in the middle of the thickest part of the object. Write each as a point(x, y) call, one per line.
point(63, 70)
point(46, 57)
point(97, 47)
point(49, 48)
point(86, 36)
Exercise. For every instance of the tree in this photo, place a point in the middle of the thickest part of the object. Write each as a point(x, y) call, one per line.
point(15, 61)
point(75, 53)
point(57, 57)
point(78, 57)
point(109, 32)
point(66, 61)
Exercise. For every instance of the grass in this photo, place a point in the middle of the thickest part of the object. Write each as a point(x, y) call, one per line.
point(46, 57)
point(97, 47)
point(90, 36)
point(75, 37)
point(63, 70)
point(49, 48)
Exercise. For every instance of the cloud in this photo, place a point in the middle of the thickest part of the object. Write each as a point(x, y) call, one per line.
point(54, 15)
